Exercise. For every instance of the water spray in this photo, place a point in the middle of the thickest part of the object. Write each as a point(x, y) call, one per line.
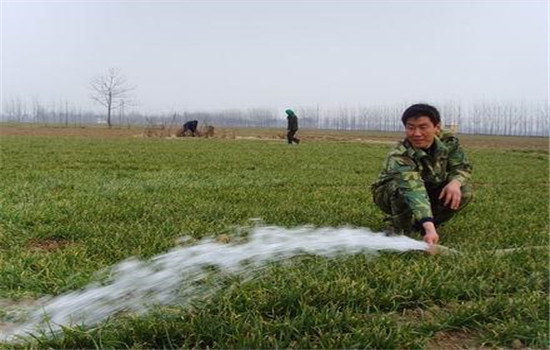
point(178, 276)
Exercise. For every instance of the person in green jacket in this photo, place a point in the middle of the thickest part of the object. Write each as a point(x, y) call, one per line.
point(292, 126)
point(426, 177)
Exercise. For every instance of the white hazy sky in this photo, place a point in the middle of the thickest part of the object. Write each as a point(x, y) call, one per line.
point(189, 55)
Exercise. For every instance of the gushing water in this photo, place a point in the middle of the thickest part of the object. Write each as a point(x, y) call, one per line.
point(175, 277)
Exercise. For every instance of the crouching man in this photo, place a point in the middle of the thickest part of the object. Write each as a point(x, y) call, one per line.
point(426, 177)
point(190, 126)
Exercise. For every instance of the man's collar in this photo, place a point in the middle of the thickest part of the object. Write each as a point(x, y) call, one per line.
point(439, 148)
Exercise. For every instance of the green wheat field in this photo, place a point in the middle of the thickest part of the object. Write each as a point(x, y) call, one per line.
point(74, 205)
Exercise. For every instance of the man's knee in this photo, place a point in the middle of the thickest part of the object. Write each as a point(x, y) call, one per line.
point(467, 191)
point(443, 213)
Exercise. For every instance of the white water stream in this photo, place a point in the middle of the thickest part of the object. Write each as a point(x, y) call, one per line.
point(174, 277)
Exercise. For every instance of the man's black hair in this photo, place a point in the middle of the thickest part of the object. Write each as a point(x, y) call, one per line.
point(421, 110)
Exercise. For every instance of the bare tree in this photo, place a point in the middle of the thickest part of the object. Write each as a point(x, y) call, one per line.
point(110, 90)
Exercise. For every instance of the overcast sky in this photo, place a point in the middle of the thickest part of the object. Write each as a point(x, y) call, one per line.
point(190, 55)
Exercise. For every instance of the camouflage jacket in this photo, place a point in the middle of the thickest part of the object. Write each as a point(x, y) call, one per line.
point(417, 171)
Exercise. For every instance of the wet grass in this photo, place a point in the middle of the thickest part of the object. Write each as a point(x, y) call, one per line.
point(70, 206)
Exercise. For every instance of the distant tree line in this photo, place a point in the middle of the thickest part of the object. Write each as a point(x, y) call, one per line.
point(489, 118)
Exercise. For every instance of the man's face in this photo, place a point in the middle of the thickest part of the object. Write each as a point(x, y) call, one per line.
point(421, 131)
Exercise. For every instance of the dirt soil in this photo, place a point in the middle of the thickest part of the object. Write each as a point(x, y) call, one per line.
point(45, 245)
point(453, 341)
point(537, 144)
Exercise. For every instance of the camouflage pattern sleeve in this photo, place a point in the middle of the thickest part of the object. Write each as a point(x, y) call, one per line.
point(458, 166)
point(403, 169)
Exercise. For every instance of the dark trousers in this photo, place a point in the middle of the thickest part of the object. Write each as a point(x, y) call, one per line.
point(290, 136)
point(193, 131)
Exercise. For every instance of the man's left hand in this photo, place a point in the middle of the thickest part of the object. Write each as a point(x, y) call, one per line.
point(451, 194)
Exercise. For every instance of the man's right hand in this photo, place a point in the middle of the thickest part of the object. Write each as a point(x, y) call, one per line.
point(431, 238)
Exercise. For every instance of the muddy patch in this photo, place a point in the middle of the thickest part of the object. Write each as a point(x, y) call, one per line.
point(454, 340)
point(46, 244)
